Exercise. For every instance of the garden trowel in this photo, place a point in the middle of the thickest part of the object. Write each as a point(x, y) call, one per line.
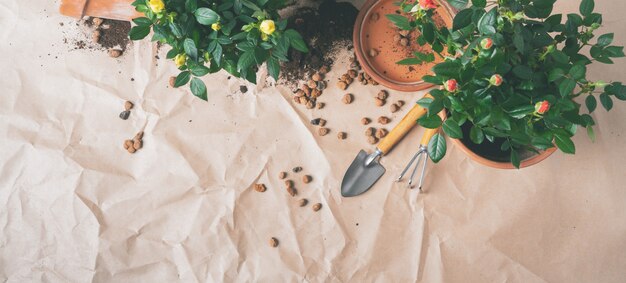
point(366, 169)
point(107, 9)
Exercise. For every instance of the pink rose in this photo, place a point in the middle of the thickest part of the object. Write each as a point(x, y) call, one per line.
point(428, 4)
point(496, 80)
point(542, 107)
point(451, 85)
point(486, 43)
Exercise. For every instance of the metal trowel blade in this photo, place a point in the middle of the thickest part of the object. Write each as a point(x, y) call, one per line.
point(360, 178)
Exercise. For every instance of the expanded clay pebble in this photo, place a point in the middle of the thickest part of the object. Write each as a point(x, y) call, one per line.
point(374, 17)
point(273, 242)
point(138, 136)
point(404, 42)
point(372, 140)
point(128, 144)
point(383, 120)
point(115, 53)
point(137, 144)
point(315, 93)
point(320, 105)
point(260, 188)
point(95, 36)
point(292, 191)
point(288, 184)
point(342, 85)
point(317, 207)
point(400, 103)
point(353, 74)
point(296, 169)
point(303, 202)
point(172, 81)
point(312, 84)
point(347, 99)
point(379, 102)
point(282, 175)
point(382, 94)
point(365, 121)
point(316, 121)
point(317, 77)
point(369, 132)
point(394, 108)
point(97, 21)
point(321, 85)
point(323, 131)
point(128, 105)
point(324, 70)
point(322, 122)
point(124, 115)
point(381, 133)
point(342, 135)
point(306, 179)
point(310, 104)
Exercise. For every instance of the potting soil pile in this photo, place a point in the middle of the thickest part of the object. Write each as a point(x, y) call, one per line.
point(203, 198)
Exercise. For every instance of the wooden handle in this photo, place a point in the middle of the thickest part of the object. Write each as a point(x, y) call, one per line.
point(407, 123)
point(428, 134)
point(107, 9)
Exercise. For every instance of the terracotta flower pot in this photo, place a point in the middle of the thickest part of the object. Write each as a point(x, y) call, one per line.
point(489, 154)
point(373, 31)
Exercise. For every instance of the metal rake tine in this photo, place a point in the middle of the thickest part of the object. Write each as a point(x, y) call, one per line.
point(419, 160)
point(423, 171)
point(408, 166)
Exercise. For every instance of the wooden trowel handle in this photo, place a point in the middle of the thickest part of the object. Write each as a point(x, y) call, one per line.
point(107, 9)
point(408, 122)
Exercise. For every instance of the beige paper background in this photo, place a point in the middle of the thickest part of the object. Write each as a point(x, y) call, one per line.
point(75, 207)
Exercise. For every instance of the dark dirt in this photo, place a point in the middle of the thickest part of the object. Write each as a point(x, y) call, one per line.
point(326, 31)
point(491, 150)
point(116, 35)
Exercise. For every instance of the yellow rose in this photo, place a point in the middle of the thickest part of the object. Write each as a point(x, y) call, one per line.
point(265, 37)
point(267, 27)
point(157, 6)
point(216, 26)
point(180, 60)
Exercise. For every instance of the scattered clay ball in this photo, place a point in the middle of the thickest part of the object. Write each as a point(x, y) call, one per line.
point(317, 207)
point(400, 103)
point(397, 38)
point(288, 183)
point(360, 77)
point(347, 99)
point(317, 77)
point(380, 102)
point(273, 242)
point(128, 105)
point(383, 120)
point(342, 135)
point(323, 131)
point(292, 191)
point(282, 175)
point(342, 85)
point(128, 144)
point(381, 133)
point(323, 70)
point(124, 115)
point(260, 188)
point(321, 85)
point(296, 169)
point(373, 82)
point(353, 74)
point(303, 202)
point(373, 52)
point(369, 132)
point(349, 80)
point(404, 33)
point(316, 121)
point(172, 81)
point(137, 144)
point(372, 140)
point(315, 93)
point(138, 136)
point(312, 84)
point(382, 94)
point(375, 17)
point(322, 122)
point(365, 121)
point(306, 179)
point(296, 99)
point(394, 108)
point(310, 105)
point(97, 21)
point(404, 42)
point(320, 105)
point(132, 150)
point(344, 77)
point(95, 36)
point(115, 53)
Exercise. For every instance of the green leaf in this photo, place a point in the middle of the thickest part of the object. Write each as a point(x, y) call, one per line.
point(190, 49)
point(452, 129)
point(436, 106)
point(486, 24)
point(199, 70)
point(206, 16)
point(273, 67)
point(448, 68)
point(462, 19)
point(428, 31)
point(245, 61)
point(296, 41)
point(523, 72)
point(515, 158)
point(591, 133)
point(476, 135)
point(142, 21)
point(459, 4)
point(605, 40)
point(410, 61)
point(542, 143)
point(555, 74)
point(606, 101)
point(425, 102)
point(614, 51)
point(217, 54)
point(430, 122)
point(565, 143)
point(522, 111)
point(198, 88)
point(591, 103)
point(479, 3)
point(400, 21)
point(437, 148)
point(586, 7)
point(578, 72)
point(566, 87)
point(182, 79)
point(518, 38)
point(139, 32)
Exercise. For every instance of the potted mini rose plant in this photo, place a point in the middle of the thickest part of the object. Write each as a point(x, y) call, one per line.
point(517, 75)
point(208, 36)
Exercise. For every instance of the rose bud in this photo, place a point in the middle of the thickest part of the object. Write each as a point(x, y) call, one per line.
point(451, 85)
point(496, 80)
point(486, 43)
point(542, 107)
point(427, 4)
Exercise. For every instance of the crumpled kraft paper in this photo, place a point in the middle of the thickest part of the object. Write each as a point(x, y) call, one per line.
point(75, 207)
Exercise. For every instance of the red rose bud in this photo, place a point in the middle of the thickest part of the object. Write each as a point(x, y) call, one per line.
point(451, 85)
point(486, 43)
point(542, 107)
point(428, 4)
point(496, 80)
